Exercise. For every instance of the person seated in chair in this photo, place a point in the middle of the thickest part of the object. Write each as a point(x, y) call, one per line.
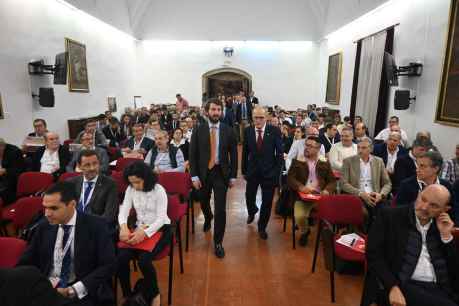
point(74, 250)
point(39, 128)
point(365, 175)
point(138, 142)
point(343, 149)
point(180, 142)
point(11, 166)
point(52, 158)
point(412, 252)
point(87, 143)
point(311, 175)
point(165, 157)
point(330, 137)
point(97, 135)
point(429, 167)
point(149, 200)
point(97, 192)
point(390, 151)
point(114, 133)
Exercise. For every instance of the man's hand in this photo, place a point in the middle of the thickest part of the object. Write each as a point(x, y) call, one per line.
point(126, 150)
point(367, 198)
point(197, 184)
point(324, 192)
point(306, 189)
point(124, 234)
point(445, 226)
point(2, 171)
point(396, 297)
point(142, 151)
point(136, 237)
point(375, 197)
point(63, 291)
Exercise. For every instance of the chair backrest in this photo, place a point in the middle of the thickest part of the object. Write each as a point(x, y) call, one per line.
point(456, 237)
point(123, 162)
point(341, 209)
point(393, 203)
point(176, 183)
point(117, 176)
point(12, 249)
point(67, 175)
point(175, 209)
point(31, 183)
point(25, 210)
point(67, 142)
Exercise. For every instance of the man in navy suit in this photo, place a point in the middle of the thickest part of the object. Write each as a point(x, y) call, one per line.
point(244, 115)
point(138, 142)
point(74, 250)
point(262, 158)
point(390, 151)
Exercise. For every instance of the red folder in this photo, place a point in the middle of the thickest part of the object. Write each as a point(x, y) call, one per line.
point(308, 196)
point(148, 244)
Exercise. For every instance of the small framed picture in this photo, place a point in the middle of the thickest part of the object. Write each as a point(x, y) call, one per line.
point(111, 104)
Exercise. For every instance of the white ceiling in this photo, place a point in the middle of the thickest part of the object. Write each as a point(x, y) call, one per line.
point(227, 20)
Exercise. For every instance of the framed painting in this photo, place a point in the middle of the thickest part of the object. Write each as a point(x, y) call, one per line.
point(77, 69)
point(2, 114)
point(111, 101)
point(448, 98)
point(332, 95)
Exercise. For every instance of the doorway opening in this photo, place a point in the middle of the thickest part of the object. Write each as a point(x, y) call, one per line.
point(226, 81)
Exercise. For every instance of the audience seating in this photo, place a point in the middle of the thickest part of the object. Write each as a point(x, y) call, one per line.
point(33, 183)
point(3, 231)
point(123, 162)
point(121, 184)
point(456, 237)
point(12, 249)
point(333, 211)
point(67, 142)
point(179, 183)
point(176, 210)
point(22, 211)
point(66, 175)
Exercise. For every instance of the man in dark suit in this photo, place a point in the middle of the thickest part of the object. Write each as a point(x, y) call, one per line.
point(52, 158)
point(213, 167)
point(429, 167)
point(390, 151)
point(39, 128)
point(252, 99)
point(405, 166)
point(412, 252)
point(262, 158)
point(113, 132)
point(11, 166)
point(74, 250)
point(243, 116)
point(138, 142)
point(228, 115)
point(329, 137)
point(98, 193)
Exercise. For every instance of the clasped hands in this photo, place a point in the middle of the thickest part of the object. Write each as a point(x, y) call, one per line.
point(132, 237)
point(371, 198)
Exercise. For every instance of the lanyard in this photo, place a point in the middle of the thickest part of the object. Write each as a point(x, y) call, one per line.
point(60, 254)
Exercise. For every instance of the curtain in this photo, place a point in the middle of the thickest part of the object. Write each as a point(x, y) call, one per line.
point(370, 72)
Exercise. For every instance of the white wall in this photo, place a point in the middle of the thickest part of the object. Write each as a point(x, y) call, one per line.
point(33, 29)
point(283, 73)
point(421, 35)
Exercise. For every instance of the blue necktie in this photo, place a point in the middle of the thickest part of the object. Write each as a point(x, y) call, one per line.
point(244, 113)
point(84, 202)
point(67, 260)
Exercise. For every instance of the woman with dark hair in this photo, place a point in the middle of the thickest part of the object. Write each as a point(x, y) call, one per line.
point(300, 133)
point(126, 124)
point(149, 200)
point(180, 142)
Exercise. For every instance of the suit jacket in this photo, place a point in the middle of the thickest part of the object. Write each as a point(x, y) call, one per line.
point(64, 158)
point(254, 100)
point(94, 254)
point(103, 159)
point(166, 122)
point(28, 286)
point(115, 137)
point(387, 243)
point(104, 199)
point(266, 164)
point(409, 189)
point(404, 167)
point(147, 143)
point(99, 138)
point(228, 119)
point(199, 154)
point(351, 176)
point(14, 164)
point(380, 150)
point(298, 175)
point(239, 112)
point(326, 142)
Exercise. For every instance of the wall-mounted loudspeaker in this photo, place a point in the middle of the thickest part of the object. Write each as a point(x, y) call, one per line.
point(46, 97)
point(402, 99)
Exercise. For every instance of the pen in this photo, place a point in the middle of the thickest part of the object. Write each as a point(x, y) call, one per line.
point(353, 241)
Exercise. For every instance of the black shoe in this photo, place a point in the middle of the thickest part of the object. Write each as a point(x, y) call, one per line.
point(250, 218)
point(219, 250)
point(263, 235)
point(207, 224)
point(303, 241)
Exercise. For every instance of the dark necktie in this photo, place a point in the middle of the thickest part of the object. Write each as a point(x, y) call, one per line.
point(260, 140)
point(67, 260)
point(84, 202)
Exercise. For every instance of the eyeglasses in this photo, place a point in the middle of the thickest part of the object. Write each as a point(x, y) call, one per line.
point(259, 117)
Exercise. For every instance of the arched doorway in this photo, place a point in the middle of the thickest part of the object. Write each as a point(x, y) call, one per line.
point(226, 81)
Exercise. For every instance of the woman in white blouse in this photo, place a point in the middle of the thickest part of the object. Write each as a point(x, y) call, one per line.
point(149, 200)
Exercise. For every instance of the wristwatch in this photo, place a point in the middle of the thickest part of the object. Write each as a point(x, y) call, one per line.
point(72, 292)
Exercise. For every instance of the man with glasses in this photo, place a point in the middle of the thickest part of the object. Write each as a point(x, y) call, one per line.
point(262, 157)
point(39, 127)
point(384, 134)
point(87, 143)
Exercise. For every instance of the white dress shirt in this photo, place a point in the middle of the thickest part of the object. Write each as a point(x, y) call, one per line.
point(50, 161)
point(384, 135)
point(338, 153)
point(79, 287)
point(216, 126)
point(366, 184)
point(137, 144)
point(151, 208)
point(391, 158)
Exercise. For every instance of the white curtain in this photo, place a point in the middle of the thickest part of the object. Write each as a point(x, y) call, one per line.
point(371, 63)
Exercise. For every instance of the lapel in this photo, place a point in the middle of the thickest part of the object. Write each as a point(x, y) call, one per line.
point(266, 138)
point(222, 136)
point(97, 189)
point(253, 138)
point(357, 170)
point(206, 137)
point(79, 186)
point(374, 176)
point(77, 246)
point(49, 247)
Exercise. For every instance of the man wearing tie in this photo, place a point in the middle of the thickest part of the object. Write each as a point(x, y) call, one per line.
point(213, 167)
point(74, 250)
point(262, 158)
point(244, 116)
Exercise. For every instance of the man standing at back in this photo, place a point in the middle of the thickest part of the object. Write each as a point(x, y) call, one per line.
point(262, 157)
point(213, 167)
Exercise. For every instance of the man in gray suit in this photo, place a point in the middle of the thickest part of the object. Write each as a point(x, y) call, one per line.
point(98, 193)
point(365, 175)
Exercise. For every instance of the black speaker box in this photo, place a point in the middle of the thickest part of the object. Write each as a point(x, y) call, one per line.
point(46, 97)
point(402, 99)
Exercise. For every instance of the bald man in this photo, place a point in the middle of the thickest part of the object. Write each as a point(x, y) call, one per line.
point(411, 250)
point(262, 156)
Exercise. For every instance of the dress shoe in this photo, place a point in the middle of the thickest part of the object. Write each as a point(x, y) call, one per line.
point(303, 241)
point(207, 224)
point(250, 218)
point(263, 235)
point(219, 250)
